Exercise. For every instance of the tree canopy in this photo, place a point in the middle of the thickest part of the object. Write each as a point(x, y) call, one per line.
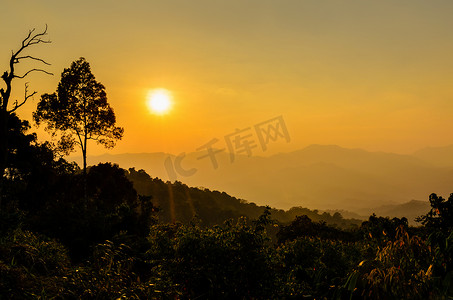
point(78, 111)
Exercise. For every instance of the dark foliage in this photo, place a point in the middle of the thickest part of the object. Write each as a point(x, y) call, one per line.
point(113, 210)
point(179, 202)
point(382, 229)
point(438, 224)
point(302, 226)
point(222, 262)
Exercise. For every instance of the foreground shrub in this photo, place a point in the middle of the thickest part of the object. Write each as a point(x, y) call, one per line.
point(402, 269)
point(229, 262)
point(31, 266)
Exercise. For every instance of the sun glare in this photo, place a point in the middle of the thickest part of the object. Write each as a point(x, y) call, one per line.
point(159, 101)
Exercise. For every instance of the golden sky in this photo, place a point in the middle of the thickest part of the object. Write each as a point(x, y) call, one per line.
point(375, 75)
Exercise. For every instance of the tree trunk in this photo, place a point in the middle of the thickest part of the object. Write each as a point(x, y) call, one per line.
point(84, 154)
point(3, 152)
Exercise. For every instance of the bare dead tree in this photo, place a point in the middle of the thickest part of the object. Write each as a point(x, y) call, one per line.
point(6, 109)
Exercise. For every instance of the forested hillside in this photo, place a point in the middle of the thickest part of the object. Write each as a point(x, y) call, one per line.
point(321, 177)
point(179, 202)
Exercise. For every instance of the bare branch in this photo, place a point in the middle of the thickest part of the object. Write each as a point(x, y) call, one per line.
point(31, 57)
point(26, 97)
point(8, 76)
point(32, 39)
point(28, 36)
point(79, 135)
point(32, 70)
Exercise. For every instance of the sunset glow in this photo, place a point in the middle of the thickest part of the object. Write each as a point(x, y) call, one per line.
point(356, 75)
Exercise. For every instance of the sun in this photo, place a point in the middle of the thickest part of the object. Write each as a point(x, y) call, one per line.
point(159, 101)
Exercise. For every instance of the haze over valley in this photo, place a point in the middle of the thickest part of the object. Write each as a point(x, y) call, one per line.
point(325, 177)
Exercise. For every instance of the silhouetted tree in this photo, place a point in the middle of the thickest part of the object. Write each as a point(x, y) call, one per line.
point(8, 76)
point(79, 111)
point(440, 217)
point(303, 226)
point(382, 229)
point(438, 223)
point(32, 169)
point(108, 184)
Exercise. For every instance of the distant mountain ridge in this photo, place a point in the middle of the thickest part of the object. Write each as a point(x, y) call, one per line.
point(439, 156)
point(317, 177)
point(411, 210)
